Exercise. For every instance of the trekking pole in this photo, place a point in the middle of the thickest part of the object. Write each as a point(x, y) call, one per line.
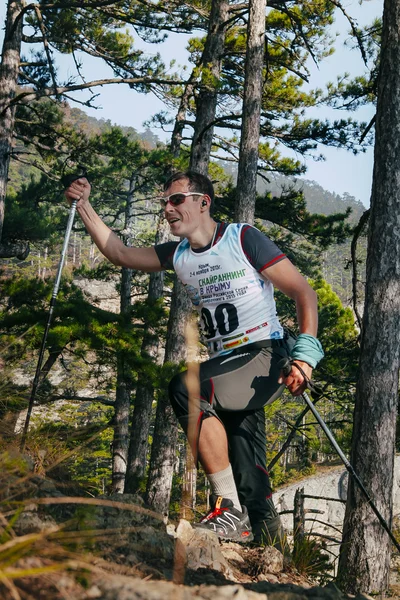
point(285, 366)
point(66, 180)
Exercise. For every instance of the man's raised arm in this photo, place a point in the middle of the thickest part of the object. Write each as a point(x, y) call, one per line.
point(109, 244)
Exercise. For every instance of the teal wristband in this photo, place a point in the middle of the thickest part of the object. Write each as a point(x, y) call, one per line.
point(308, 349)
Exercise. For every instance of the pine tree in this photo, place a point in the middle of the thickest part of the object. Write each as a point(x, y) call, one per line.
point(93, 30)
point(365, 552)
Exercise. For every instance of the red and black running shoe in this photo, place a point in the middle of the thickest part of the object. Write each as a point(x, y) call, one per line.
point(226, 521)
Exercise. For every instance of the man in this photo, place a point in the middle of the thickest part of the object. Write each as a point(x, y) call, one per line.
point(229, 272)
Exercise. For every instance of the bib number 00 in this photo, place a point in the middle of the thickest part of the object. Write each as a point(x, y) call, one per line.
point(226, 320)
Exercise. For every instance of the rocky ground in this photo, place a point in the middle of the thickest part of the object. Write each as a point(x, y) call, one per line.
point(115, 549)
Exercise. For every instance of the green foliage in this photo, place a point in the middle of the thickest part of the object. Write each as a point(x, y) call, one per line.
point(32, 214)
point(78, 328)
point(72, 444)
point(352, 93)
point(280, 416)
point(310, 559)
point(98, 33)
point(294, 33)
point(176, 497)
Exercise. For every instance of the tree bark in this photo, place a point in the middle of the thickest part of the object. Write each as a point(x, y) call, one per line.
point(163, 451)
point(9, 68)
point(365, 552)
point(123, 388)
point(141, 418)
point(206, 101)
point(250, 132)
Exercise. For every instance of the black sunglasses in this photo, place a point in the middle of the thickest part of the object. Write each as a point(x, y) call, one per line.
point(177, 198)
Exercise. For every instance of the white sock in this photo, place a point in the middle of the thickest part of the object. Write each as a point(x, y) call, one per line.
point(223, 484)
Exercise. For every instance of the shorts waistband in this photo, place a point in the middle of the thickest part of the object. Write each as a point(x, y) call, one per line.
point(265, 344)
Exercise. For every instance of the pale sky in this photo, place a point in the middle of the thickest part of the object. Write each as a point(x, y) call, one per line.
point(341, 171)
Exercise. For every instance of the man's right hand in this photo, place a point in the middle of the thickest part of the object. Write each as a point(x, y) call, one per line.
point(78, 190)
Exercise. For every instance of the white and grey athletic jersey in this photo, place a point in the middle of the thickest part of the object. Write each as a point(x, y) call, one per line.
point(235, 303)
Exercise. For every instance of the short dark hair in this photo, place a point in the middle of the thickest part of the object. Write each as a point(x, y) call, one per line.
point(197, 182)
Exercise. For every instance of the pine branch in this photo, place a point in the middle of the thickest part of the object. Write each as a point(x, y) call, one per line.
point(292, 54)
point(87, 103)
point(28, 140)
point(33, 163)
point(32, 39)
point(78, 66)
point(150, 6)
point(354, 29)
point(65, 5)
point(25, 97)
point(296, 21)
point(368, 129)
point(39, 63)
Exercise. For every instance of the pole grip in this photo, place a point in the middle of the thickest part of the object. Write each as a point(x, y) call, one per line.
point(69, 178)
point(285, 366)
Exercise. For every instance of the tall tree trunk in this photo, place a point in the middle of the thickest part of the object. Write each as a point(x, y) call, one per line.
point(250, 132)
point(9, 69)
point(206, 101)
point(163, 450)
point(365, 552)
point(123, 388)
point(141, 418)
point(163, 454)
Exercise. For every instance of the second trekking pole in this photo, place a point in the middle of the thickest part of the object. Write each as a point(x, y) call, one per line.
point(67, 181)
point(286, 366)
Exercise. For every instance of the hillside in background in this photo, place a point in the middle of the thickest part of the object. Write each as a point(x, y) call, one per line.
point(318, 199)
point(93, 126)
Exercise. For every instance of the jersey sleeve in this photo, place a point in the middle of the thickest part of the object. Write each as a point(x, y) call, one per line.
point(259, 249)
point(165, 253)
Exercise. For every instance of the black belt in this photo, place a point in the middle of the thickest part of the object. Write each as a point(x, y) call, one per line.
point(262, 344)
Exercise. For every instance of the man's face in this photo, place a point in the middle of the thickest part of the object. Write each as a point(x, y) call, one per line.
point(183, 218)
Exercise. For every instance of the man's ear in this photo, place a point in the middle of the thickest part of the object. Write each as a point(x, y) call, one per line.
point(204, 202)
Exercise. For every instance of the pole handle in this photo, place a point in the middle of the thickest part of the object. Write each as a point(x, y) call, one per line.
point(285, 366)
point(69, 178)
